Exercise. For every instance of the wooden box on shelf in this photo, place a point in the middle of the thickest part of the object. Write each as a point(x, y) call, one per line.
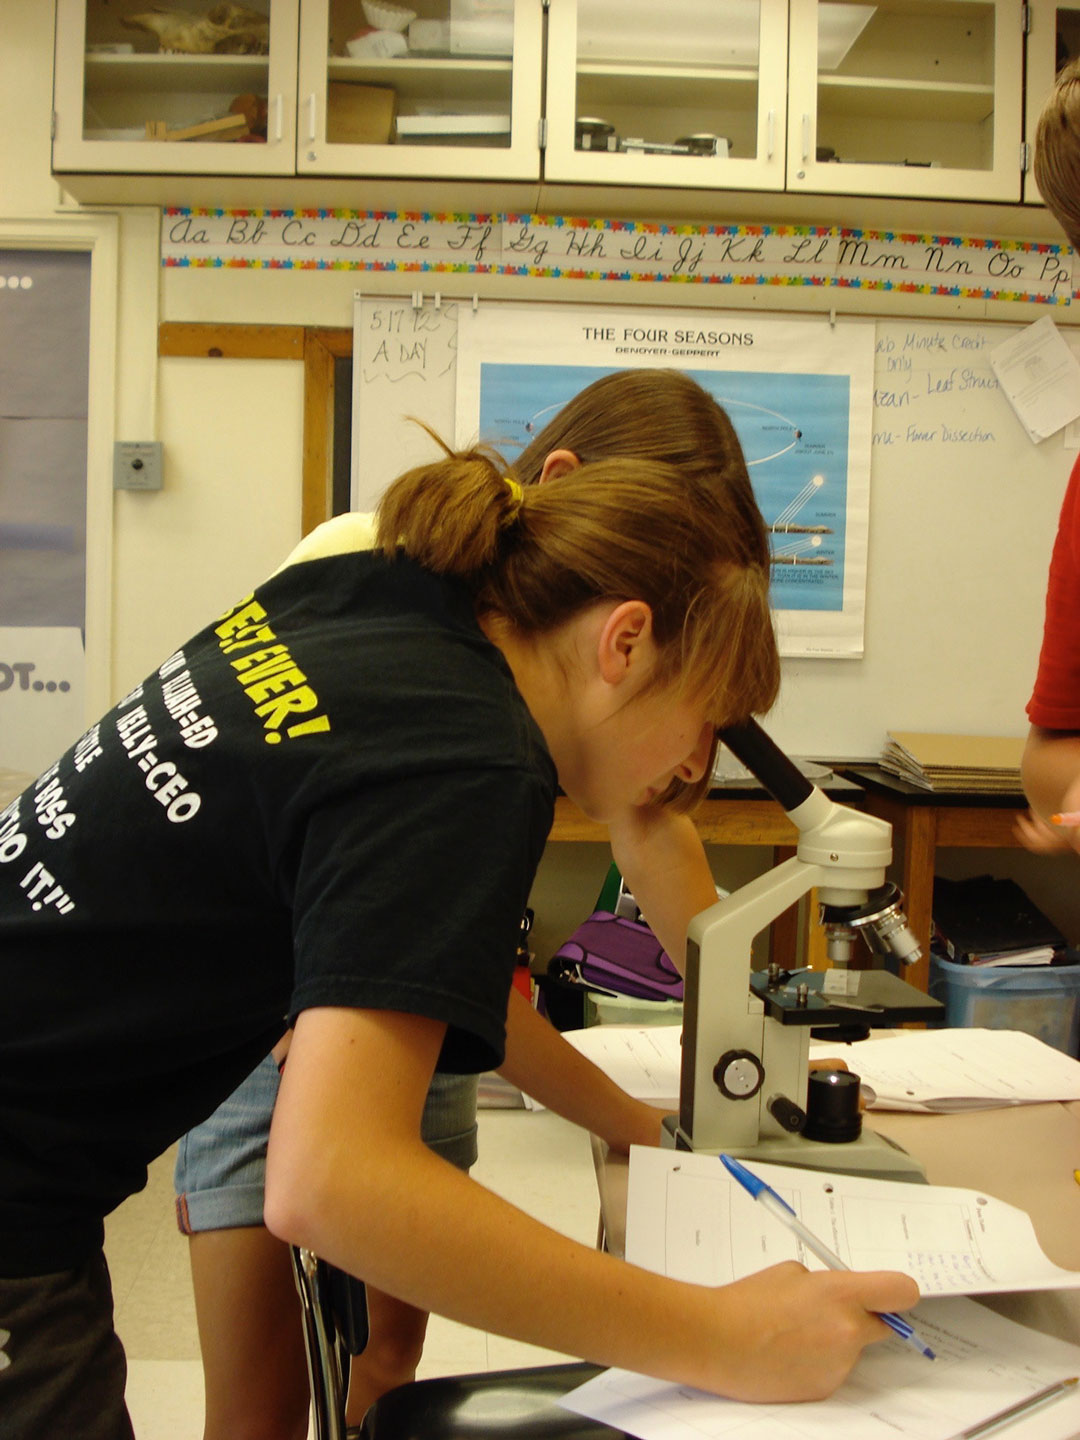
point(360, 114)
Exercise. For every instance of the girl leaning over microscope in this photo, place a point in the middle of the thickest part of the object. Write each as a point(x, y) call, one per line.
point(589, 633)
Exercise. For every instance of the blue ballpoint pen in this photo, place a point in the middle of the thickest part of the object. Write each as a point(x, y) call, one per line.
point(786, 1215)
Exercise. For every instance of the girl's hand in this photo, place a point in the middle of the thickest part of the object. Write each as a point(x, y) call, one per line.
point(802, 1333)
point(1042, 838)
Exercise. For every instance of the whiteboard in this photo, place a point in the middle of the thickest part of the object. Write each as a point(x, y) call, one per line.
point(963, 511)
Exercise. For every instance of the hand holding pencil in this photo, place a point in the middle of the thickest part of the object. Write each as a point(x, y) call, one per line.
point(1042, 837)
point(1050, 774)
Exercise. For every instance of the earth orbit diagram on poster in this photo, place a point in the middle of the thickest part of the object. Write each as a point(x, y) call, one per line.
point(796, 449)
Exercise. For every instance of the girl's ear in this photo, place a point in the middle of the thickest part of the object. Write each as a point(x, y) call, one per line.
point(558, 462)
point(626, 648)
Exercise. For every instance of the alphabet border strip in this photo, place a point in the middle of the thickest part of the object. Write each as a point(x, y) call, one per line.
point(563, 247)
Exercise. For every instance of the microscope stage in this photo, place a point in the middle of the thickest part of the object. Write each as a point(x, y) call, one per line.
point(875, 998)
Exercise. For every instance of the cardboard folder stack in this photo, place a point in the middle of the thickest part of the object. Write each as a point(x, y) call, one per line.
point(954, 762)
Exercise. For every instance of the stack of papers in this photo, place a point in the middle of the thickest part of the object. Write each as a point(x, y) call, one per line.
point(942, 1071)
point(687, 1218)
point(954, 762)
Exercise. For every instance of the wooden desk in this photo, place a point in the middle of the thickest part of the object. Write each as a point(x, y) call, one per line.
point(1024, 1155)
point(924, 822)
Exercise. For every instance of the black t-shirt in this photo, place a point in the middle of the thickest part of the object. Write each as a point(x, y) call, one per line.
point(333, 795)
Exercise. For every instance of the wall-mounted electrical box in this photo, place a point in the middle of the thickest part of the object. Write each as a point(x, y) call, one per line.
point(137, 465)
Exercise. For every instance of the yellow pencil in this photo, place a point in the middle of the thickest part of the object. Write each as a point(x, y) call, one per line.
point(1069, 817)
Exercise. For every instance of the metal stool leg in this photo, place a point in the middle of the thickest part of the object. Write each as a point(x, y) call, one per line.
point(327, 1360)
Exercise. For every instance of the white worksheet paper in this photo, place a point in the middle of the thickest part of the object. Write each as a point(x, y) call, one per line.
point(923, 1070)
point(686, 1217)
point(958, 1069)
point(643, 1060)
point(984, 1364)
point(1040, 377)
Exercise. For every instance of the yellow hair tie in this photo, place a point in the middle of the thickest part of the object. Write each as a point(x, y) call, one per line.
point(515, 488)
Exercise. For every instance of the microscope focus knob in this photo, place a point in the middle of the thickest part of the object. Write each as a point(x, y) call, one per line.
point(739, 1074)
point(786, 1113)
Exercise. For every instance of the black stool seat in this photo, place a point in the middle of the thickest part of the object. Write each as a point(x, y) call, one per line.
point(517, 1404)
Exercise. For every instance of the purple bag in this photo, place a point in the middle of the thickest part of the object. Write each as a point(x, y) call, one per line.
point(610, 952)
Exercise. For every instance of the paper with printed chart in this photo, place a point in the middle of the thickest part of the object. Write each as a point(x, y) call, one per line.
point(686, 1217)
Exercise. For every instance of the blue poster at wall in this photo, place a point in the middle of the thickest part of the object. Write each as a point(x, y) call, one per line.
point(793, 429)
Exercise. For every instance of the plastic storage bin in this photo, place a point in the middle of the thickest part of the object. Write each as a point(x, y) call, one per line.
point(627, 1010)
point(1042, 1000)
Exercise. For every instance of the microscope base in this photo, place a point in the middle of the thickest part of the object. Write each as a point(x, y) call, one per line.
point(871, 1155)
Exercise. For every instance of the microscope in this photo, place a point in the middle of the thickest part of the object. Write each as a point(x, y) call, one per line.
point(746, 1033)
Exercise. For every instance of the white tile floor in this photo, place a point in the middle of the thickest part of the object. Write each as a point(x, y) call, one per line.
point(537, 1161)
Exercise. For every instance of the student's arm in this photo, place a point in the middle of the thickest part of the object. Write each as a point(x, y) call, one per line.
point(1051, 776)
point(660, 856)
point(542, 1063)
point(349, 1178)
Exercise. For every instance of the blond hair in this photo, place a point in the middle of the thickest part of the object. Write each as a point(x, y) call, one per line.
point(1057, 151)
point(693, 547)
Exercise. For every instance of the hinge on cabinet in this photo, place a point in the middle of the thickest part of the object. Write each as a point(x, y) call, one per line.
point(52, 126)
point(1025, 157)
point(541, 132)
point(1025, 19)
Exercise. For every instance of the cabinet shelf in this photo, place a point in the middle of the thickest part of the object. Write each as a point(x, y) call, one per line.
point(675, 73)
point(483, 81)
point(903, 99)
point(652, 89)
point(191, 74)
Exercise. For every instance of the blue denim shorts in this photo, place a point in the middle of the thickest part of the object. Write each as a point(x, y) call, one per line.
point(221, 1164)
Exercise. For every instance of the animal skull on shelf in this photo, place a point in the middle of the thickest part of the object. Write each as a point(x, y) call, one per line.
point(227, 29)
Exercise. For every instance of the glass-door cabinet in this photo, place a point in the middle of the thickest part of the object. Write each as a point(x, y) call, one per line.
point(906, 97)
point(437, 89)
point(681, 93)
point(139, 89)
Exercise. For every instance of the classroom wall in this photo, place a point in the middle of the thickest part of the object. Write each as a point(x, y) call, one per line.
point(232, 434)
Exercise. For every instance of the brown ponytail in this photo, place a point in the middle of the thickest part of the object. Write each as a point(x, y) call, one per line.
point(450, 516)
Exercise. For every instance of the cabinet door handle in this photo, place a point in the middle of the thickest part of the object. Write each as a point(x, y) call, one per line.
point(770, 135)
point(311, 116)
point(278, 111)
point(805, 138)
